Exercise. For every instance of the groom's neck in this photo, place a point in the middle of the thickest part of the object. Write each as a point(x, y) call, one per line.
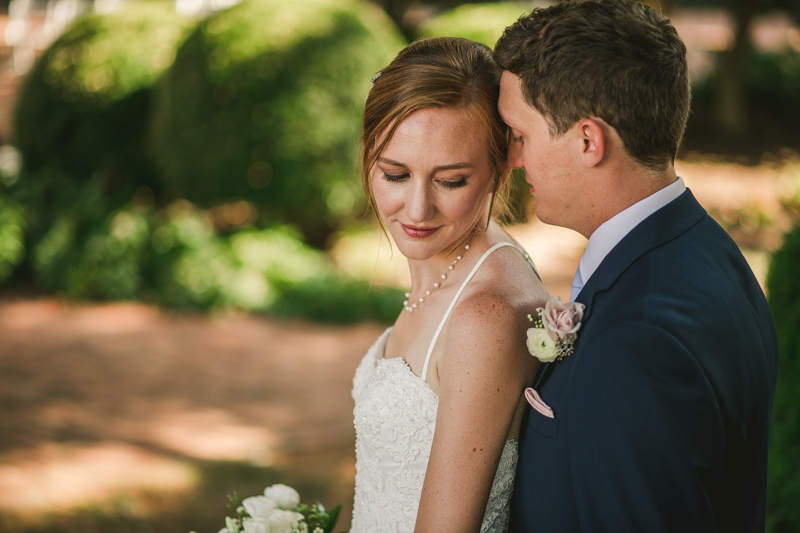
point(618, 187)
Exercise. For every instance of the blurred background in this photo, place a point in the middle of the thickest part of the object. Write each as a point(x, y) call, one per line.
point(188, 271)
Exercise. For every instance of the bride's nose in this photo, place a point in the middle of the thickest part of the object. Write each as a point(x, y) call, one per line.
point(419, 202)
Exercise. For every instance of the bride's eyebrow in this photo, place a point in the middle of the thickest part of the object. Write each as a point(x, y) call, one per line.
point(453, 166)
point(391, 162)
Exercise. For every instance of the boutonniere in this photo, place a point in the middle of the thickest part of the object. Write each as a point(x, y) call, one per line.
point(552, 337)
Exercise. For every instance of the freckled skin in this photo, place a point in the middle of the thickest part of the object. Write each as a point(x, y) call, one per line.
point(421, 148)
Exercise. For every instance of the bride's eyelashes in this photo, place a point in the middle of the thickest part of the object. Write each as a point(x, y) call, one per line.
point(454, 184)
point(394, 177)
point(449, 183)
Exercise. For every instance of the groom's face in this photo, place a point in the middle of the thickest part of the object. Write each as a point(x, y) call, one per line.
point(547, 162)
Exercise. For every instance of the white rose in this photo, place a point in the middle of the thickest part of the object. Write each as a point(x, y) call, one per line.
point(541, 346)
point(287, 522)
point(259, 505)
point(285, 496)
point(258, 524)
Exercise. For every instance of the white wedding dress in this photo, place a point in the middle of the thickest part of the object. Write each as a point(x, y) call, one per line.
point(395, 419)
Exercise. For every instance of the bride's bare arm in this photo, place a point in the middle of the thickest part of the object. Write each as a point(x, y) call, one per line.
point(482, 374)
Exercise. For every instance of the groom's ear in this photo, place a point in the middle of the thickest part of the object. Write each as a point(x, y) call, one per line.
point(593, 136)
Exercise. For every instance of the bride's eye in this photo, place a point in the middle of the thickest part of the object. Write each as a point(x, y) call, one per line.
point(394, 177)
point(454, 184)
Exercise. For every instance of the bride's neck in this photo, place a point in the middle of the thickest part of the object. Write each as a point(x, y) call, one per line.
point(425, 273)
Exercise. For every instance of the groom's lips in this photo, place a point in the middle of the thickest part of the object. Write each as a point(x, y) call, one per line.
point(418, 232)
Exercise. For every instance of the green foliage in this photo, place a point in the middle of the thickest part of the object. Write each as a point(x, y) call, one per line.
point(783, 285)
point(317, 517)
point(82, 208)
point(478, 22)
point(84, 106)
point(339, 300)
point(264, 101)
point(775, 76)
point(770, 86)
point(175, 257)
point(93, 261)
point(12, 228)
point(770, 76)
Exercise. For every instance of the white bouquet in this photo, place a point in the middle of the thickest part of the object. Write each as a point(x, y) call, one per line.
point(278, 511)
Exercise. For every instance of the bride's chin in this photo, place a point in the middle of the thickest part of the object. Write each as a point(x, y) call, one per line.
point(416, 253)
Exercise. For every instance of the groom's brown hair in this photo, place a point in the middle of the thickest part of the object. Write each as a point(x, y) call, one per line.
point(616, 60)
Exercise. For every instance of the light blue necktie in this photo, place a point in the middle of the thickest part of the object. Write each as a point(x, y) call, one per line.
point(577, 285)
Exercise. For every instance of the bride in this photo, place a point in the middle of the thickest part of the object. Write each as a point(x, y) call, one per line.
point(438, 397)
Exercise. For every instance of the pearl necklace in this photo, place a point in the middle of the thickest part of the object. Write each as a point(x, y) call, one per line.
point(410, 308)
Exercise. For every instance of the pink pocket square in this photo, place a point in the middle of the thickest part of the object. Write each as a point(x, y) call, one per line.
point(537, 403)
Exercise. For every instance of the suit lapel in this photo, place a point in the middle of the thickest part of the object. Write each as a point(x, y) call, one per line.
point(666, 224)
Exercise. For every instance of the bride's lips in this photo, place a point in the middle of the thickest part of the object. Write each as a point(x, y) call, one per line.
point(418, 232)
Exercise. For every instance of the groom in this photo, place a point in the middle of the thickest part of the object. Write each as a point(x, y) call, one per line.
point(659, 420)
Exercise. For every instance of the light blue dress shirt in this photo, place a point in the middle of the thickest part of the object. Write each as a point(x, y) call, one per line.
point(613, 230)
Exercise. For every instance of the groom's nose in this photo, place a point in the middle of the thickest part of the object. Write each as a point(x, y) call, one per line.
point(514, 155)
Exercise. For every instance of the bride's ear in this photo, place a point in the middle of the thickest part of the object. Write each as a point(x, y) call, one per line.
point(593, 137)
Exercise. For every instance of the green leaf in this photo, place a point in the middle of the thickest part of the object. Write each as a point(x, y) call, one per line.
point(333, 515)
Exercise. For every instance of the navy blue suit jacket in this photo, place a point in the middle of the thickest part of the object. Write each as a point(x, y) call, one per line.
point(662, 412)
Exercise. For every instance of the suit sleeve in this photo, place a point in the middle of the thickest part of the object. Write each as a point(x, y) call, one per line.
point(644, 434)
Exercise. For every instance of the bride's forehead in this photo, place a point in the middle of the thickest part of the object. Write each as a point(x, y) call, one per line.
point(439, 130)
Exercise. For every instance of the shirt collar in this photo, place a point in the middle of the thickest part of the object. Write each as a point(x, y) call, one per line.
point(613, 230)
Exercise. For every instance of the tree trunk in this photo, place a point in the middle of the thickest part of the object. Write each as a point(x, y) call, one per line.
point(731, 103)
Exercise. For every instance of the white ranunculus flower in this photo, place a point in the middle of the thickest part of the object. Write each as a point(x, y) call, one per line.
point(286, 522)
point(285, 496)
point(258, 524)
point(259, 505)
point(541, 346)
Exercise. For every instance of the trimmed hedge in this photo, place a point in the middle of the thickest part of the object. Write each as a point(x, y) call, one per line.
point(264, 102)
point(80, 119)
point(84, 106)
point(783, 285)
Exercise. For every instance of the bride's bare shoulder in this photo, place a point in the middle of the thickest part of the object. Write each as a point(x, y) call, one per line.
point(504, 291)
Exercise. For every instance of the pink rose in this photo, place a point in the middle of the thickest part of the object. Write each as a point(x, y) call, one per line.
point(561, 320)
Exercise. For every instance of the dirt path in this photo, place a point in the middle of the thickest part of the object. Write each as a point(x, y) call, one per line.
point(103, 399)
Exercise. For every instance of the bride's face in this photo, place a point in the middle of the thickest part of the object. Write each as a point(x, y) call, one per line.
point(432, 181)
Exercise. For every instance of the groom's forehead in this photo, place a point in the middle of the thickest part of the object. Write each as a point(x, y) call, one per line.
point(511, 98)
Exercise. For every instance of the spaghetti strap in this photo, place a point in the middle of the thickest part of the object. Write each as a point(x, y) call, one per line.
point(486, 254)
